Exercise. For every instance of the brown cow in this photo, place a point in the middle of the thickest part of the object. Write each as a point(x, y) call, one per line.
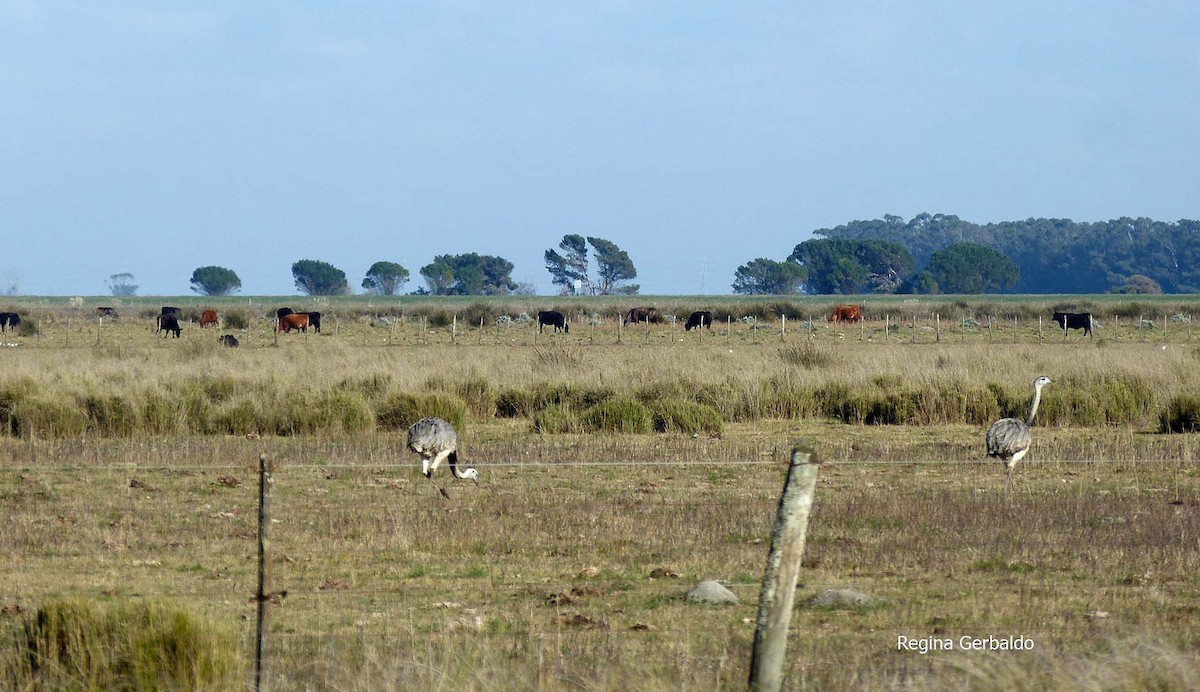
point(208, 317)
point(643, 315)
point(296, 321)
point(846, 313)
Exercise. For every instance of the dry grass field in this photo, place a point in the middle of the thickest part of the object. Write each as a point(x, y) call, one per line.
point(127, 474)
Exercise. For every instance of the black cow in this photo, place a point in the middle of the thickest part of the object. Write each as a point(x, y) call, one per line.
point(228, 340)
point(168, 310)
point(698, 319)
point(643, 315)
point(168, 323)
point(9, 320)
point(283, 312)
point(314, 320)
point(107, 312)
point(551, 318)
point(1074, 320)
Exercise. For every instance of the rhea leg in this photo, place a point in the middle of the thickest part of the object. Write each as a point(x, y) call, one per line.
point(428, 468)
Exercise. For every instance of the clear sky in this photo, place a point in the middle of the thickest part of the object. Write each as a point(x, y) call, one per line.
point(154, 138)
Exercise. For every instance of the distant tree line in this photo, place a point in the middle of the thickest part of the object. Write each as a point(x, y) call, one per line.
point(942, 253)
point(930, 253)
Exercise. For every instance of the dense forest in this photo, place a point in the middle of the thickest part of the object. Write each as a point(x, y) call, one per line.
point(1054, 255)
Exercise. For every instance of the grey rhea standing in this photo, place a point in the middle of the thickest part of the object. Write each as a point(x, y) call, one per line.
point(436, 441)
point(1008, 439)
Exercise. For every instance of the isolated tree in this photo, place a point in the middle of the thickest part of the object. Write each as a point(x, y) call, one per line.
point(570, 267)
point(763, 276)
point(971, 268)
point(122, 284)
point(385, 278)
point(317, 278)
point(215, 281)
point(613, 268)
point(469, 274)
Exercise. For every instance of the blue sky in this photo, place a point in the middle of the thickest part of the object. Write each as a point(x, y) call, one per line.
point(154, 138)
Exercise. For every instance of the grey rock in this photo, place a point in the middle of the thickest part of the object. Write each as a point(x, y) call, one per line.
point(711, 592)
point(840, 598)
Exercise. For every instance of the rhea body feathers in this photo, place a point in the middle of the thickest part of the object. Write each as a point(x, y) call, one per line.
point(437, 441)
point(1009, 438)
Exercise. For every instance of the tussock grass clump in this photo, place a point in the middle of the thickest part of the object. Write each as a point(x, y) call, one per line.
point(12, 392)
point(400, 411)
point(371, 386)
point(47, 417)
point(673, 415)
point(439, 319)
point(110, 415)
point(571, 358)
point(73, 644)
point(235, 319)
point(809, 354)
point(784, 397)
point(618, 414)
point(28, 328)
point(556, 419)
point(475, 390)
point(1181, 415)
point(524, 402)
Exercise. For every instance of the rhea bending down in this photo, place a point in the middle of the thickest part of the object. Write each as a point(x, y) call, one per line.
point(436, 441)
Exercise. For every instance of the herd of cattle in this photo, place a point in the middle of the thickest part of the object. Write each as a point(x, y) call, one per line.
point(287, 320)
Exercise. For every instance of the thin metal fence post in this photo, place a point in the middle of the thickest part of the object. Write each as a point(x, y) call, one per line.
point(264, 594)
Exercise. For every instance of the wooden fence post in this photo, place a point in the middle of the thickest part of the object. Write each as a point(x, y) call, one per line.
point(264, 594)
point(783, 569)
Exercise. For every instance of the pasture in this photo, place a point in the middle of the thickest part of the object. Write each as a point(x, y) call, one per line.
point(127, 473)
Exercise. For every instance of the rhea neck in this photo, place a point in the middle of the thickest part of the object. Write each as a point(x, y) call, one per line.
point(465, 473)
point(1037, 398)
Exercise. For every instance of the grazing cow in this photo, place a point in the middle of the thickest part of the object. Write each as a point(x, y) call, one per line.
point(314, 320)
point(697, 320)
point(168, 323)
point(643, 315)
point(553, 319)
point(846, 313)
point(297, 320)
point(228, 340)
point(1074, 320)
point(9, 320)
point(208, 317)
point(107, 312)
point(282, 312)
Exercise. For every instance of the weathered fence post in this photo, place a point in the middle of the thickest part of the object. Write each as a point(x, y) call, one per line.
point(783, 569)
point(264, 594)
point(937, 320)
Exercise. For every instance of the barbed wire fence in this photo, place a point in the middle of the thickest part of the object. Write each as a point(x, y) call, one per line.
point(265, 596)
